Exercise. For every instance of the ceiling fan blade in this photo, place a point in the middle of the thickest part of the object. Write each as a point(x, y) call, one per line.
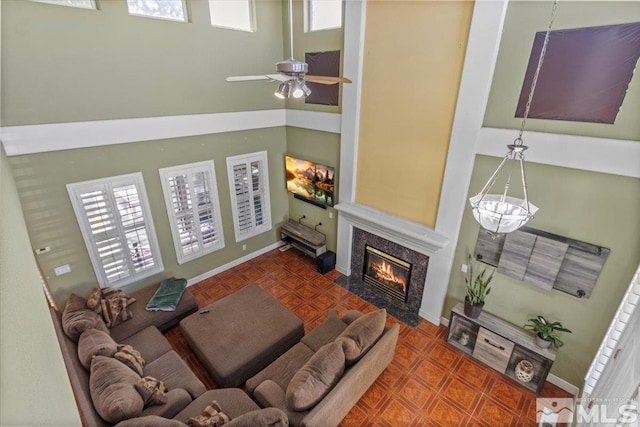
point(279, 77)
point(326, 80)
point(246, 78)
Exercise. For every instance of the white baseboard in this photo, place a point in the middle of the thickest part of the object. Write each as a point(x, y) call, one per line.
point(553, 379)
point(234, 263)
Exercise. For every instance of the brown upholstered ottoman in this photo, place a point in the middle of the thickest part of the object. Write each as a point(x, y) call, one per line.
point(241, 334)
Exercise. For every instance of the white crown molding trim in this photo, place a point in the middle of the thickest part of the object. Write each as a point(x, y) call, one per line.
point(315, 120)
point(30, 139)
point(613, 156)
point(234, 263)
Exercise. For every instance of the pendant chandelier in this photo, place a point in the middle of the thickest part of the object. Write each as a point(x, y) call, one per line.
point(503, 213)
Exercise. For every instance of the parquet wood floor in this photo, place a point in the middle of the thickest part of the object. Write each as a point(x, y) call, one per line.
point(428, 383)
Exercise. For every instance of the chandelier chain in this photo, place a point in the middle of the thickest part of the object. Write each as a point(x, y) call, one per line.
point(543, 52)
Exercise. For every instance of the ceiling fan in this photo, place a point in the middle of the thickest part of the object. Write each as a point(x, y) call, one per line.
point(291, 73)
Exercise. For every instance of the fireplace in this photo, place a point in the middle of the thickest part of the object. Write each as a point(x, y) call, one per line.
point(400, 261)
point(386, 273)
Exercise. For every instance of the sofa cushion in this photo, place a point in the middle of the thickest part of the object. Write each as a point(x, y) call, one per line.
point(234, 401)
point(112, 390)
point(326, 332)
point(316, 378)
point(130, 357)
point(150, 343)
point(175, 373)
point(362, 334)
point(267, 417)
point(176, 400)
point(150, 421)
point(283, 368)
point(77, 318)
point(211, 416)
point(152, 391)
point(94, 342)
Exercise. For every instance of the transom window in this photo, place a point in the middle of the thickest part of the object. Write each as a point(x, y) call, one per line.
point(85, 4)
point(249, 186)
point(323, 14)
point(233, 14)
point(173, 10)
point(191, 196)
point(116, 224)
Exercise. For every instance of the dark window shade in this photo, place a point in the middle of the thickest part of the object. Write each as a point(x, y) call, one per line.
point(323, 64)
point(585, 74)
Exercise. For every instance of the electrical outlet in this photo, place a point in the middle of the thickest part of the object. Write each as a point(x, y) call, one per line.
point(244, 247)
point(330, 215)
point(464, 268)
point(63, 269)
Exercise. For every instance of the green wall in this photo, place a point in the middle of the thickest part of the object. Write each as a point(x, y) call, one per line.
point(65, 64)
point(523, 19)
point(41, 180)
point(324, 148)
point(33, 379)
point(593, 207)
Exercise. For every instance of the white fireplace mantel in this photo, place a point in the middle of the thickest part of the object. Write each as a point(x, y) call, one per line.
point(407, 233)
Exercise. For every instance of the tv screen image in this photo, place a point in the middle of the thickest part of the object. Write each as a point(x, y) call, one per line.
point(310, 181)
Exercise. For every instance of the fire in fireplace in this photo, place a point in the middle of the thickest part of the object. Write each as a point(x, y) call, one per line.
point(386, 273)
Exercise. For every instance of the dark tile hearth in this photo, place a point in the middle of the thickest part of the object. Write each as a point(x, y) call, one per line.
point(428, 383)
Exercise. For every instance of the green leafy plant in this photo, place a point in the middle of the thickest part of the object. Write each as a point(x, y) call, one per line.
point(477, 285)
point(547, 330)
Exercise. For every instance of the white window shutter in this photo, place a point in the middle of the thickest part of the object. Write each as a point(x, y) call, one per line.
point(249, 184)
point(191, 197)
point(117, 228)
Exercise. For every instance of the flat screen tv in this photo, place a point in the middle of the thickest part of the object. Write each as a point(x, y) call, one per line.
point(309, 181)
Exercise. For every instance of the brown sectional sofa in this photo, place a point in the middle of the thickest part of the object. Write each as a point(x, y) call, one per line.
point(187, 396)
point(270, 387)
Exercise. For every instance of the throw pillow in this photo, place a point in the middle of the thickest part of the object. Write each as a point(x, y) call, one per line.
point(150, 421)
point(109, 293)
point(93, 300)
point(211, 416)
point(267, 417)
point(316, 378)
point(94, 342)
point(152, 391)
point(130, 357)
point(362, 334)
point(114, 311)
point(77, 318)
point(111, 385)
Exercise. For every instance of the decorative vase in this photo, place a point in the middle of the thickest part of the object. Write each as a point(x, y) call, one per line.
point(542, 343)
point(524, 371)
point(472, 311)
point(464, 338)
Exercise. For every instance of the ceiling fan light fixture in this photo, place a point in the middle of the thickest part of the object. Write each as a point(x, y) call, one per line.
point(299, 89)
point(283, 91)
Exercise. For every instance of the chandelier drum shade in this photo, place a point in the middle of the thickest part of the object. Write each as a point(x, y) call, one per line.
point(504, 213)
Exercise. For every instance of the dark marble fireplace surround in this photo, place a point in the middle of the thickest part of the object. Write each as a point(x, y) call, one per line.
point(406, 312)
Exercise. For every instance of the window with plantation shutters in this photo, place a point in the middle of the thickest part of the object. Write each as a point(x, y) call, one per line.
point(249, 186)
point(116, 224)
point(191, 196)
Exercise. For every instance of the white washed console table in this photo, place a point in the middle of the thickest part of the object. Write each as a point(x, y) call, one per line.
point(303, 238)
point(500, 345)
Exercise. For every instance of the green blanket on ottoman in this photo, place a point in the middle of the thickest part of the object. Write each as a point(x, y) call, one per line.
point(168, 295)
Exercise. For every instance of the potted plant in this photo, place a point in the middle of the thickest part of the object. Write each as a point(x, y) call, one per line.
point(546, 331)
point(477, 290)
